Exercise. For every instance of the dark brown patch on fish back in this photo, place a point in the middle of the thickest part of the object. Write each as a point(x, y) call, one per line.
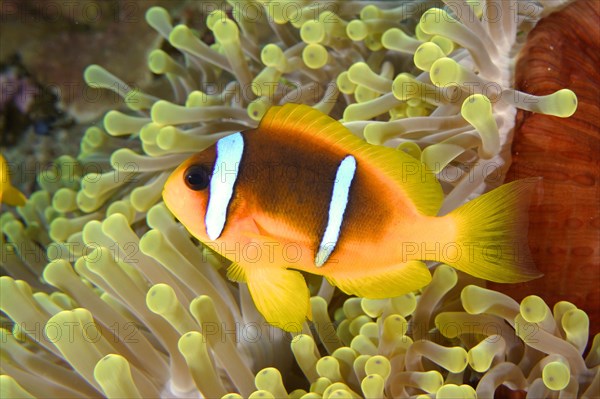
point(292, 180)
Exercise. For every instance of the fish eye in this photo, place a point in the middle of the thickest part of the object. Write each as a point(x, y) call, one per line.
point(197, 177)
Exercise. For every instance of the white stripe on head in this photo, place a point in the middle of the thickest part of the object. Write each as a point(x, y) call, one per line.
point(222, 182)
point(337, 208)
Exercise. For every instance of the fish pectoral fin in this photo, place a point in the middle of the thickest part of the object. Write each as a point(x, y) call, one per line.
point(236, 273)
point(281, 296)
point(259, 228)
point(393, 281)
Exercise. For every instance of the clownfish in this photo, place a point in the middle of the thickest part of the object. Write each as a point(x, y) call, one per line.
point(301, 193)
point(8, 194)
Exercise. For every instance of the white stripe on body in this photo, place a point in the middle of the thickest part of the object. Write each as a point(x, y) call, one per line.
point(337, 208)
point(222, 182)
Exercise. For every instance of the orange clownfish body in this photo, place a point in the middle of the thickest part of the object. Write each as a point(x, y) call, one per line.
point(302, 193)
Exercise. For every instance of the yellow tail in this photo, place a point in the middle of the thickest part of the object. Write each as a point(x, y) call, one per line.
point(491, 238)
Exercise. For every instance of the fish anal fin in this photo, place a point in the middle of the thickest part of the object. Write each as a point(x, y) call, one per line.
point(281, 296)
point(394, 281)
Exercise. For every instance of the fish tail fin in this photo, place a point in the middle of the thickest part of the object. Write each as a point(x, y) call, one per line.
point(491, 235)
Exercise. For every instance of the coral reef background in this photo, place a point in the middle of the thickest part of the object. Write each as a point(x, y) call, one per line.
point(45, 47)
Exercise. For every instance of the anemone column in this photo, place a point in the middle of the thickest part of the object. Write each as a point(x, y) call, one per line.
point(563, 51)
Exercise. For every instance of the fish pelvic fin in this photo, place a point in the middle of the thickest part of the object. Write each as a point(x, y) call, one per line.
point(491, 235)
point(393, 281)
point(280, 295)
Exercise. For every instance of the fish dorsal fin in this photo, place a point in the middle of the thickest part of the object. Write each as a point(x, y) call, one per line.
point(419, 184)
point(393, 281)
point(304, 122)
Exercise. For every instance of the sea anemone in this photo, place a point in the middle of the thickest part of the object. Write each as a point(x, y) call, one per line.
point(106, 294)
point(452, 339)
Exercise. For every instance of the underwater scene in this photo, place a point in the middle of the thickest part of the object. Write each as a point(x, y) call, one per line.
point(300, 199)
